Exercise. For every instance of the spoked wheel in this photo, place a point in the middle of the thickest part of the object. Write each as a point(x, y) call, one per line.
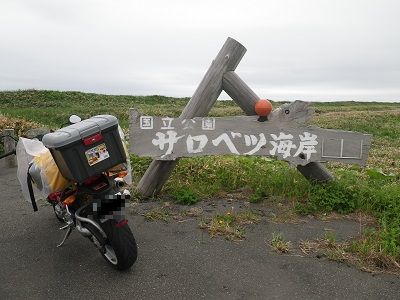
point(120, 249)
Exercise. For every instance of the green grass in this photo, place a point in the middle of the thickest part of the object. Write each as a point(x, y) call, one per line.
point(157, 214)
point(230, 224)
point(53, 108)
point(374, 189)
point(384, 125)
point(348, 106)
point(279, 244)
point(185, 196)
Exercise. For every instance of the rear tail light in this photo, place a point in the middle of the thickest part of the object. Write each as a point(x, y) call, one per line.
point(92, 139)
point(121, 223)
point(69, 200)
point(122, 174)
point(55, 196)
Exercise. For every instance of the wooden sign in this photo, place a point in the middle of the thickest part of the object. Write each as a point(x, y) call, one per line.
point(165, 138)
point(284, 135)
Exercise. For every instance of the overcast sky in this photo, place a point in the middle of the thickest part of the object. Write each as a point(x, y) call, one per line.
point(315, 50)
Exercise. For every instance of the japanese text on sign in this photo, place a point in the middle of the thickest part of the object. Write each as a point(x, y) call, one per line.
point(284, 144)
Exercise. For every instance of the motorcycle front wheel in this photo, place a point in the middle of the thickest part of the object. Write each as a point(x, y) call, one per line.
point(120, 249)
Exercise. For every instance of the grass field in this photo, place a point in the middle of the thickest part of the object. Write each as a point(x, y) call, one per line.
point(374, 190)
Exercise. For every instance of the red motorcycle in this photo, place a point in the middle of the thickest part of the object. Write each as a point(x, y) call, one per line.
point(81, 169)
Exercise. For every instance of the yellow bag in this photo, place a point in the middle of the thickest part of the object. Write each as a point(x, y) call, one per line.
point(51, 176)
point(34, 157)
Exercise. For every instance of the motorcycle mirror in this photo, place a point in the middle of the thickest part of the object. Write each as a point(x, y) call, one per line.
point(73, 119)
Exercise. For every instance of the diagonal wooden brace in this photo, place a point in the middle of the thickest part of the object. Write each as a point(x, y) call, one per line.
point(199, 105)
point(242, 94)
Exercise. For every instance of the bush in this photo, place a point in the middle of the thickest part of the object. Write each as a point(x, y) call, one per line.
point(185, 196)
point(257, 196)
point(333, 196)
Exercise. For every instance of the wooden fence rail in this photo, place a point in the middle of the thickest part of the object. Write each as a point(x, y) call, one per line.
point(9, 145)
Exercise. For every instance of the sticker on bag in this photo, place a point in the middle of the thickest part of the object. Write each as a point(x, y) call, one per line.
point(97, 154)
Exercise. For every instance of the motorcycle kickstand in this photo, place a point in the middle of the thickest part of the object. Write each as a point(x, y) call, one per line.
point(66, 235)
point(65, 227)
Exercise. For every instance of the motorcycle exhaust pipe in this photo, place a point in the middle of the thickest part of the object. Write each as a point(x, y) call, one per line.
point(84, 231)
point(119, 182)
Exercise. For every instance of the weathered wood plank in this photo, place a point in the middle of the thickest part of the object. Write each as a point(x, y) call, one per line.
point(300, 112)
point(9, 145)
point(296, 112)
point(170, 138)
point(199, 105)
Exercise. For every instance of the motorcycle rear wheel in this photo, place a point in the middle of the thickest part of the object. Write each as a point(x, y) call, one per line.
point(120, 249)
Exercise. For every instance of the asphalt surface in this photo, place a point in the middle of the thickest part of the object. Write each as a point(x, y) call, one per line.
point(177, 260)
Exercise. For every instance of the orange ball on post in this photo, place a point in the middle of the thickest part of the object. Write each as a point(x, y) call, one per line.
point(263, 107)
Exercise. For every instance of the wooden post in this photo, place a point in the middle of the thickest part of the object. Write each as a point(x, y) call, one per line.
point(199, 105)
point(242, 94)
point(315, 172)
point(9, 145)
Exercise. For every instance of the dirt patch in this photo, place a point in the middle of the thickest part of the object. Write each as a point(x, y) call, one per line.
point(323, 235)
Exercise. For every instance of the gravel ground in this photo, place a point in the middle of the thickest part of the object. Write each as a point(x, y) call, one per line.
point(177, 259)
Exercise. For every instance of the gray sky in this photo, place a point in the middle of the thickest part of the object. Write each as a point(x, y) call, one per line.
point(314, 50)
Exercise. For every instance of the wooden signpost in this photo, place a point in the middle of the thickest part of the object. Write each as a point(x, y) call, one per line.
point(165, 138)
point(283, 134)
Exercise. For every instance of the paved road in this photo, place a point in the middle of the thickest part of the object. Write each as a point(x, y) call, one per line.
point(176, 261)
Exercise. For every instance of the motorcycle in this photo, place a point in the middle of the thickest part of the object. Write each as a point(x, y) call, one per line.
point(93, 195)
